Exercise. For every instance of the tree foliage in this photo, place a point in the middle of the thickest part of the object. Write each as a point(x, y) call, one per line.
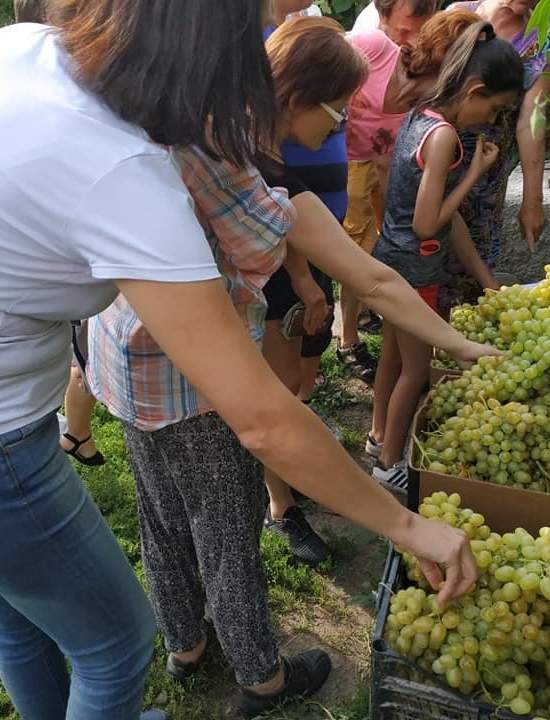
point(541, 21)
point(345, 11)
point(6, 12)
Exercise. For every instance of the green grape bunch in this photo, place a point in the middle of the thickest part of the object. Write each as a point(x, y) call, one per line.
point(493, 422)
point(495, 642)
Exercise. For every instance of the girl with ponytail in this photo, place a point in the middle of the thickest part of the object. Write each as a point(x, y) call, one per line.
point(481, 75)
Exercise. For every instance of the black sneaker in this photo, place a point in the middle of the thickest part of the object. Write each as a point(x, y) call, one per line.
point(304, 542)
point(304, 675)
point(179, 670)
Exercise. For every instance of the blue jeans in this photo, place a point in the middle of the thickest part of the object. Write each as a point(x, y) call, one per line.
point(66, 591)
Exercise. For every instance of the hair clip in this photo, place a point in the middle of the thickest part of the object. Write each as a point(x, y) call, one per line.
point(488, 33)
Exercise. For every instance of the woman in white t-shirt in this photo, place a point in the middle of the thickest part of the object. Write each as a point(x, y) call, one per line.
point(91, 204)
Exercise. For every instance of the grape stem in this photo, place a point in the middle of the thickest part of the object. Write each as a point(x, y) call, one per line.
point(486, 693)
point(546, 475)
point(423, 454)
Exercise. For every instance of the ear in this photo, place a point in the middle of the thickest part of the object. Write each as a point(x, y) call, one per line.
point(473, 86)
point(293, 103)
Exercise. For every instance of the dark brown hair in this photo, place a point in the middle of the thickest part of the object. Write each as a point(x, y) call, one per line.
point(434, 40)
point(187, 71)
point(312, 62)
point(420, 8)
point(28, 11)
point(477, 54)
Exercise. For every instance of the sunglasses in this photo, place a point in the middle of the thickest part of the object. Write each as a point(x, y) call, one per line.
point(339, 117)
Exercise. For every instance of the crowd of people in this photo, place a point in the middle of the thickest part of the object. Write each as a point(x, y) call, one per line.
point(196, 200)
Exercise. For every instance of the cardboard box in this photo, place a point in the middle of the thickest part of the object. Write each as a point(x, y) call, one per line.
point(504, 508)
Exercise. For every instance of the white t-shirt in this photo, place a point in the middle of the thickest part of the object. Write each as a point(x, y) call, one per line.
point(85, 198)
point(368, 19)
point(311, 11)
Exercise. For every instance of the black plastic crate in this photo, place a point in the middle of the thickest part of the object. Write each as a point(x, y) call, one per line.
point(400, 689)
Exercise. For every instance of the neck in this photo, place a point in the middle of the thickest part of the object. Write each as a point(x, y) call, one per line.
point(449, 112)
point(282, 132)
point(278, 18)
point(406, 90)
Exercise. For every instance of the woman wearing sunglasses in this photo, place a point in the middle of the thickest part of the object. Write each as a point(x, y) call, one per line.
point(319, 164)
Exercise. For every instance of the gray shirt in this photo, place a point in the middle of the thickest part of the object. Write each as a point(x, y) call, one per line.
point(398, 246)
point(85, 198)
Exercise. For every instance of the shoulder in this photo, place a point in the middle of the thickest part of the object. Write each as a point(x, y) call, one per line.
point(199, 171)
point(373, 44)
point(438, 145)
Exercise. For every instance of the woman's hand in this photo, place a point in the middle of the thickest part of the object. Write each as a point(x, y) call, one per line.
point(470, 352)
point(444, 555)
point(531, 221)
point(485, 156)
point(314, 300)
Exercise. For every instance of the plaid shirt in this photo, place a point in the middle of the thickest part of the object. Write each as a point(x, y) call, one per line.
point(245, 223)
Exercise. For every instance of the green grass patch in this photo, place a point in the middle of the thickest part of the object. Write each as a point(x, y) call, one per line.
point(6, 17)
point(351, 439)
point(373, 344)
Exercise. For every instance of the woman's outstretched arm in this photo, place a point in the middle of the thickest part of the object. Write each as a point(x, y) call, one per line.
point(198, 328)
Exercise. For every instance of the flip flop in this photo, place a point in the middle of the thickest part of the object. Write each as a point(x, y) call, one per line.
point(93, 461)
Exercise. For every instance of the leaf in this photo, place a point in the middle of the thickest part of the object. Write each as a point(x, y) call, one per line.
point(540, 19)
point(342, 6)
point(537, 120)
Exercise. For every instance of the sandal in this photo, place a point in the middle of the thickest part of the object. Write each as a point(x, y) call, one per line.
point(93, 461)
point(370, 323)
point(355, 355)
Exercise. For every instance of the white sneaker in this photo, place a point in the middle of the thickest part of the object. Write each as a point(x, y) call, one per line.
point(395, 478)
point(373, 448)
point(62, 420)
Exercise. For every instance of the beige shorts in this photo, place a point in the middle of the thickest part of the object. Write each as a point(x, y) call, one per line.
point(364, 216)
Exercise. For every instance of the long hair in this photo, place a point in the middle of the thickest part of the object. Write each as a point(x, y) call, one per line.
point(187, 71)
point(312, 62)
point(434, 40)
point(31, 11)
point(479, 54)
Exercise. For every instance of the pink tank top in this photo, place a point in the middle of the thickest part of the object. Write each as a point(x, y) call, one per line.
point(371, 132)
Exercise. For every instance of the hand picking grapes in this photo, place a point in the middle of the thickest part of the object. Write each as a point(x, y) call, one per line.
point(496, 640)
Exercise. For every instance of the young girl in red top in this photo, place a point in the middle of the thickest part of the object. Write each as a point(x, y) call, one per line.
point(481, 75)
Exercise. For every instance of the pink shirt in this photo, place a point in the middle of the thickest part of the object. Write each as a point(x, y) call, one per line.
point(371, 132)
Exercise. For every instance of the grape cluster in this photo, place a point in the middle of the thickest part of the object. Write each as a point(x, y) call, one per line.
point(507, 444)
point(493, 422)
point(495, 641)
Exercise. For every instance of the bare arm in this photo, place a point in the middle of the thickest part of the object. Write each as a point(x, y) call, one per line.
point(309, 292)
point(531, 152)
point(277, 428)
point(465, 250)
point(322, 240)
point(433, 210)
